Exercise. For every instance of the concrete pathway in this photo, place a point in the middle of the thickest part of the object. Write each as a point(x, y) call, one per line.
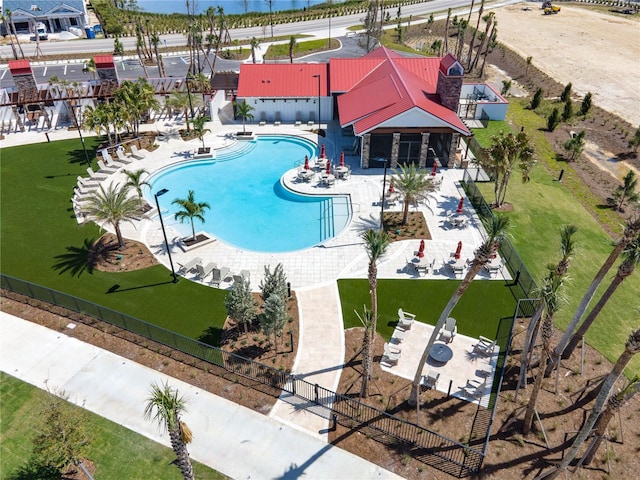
point(230, 438)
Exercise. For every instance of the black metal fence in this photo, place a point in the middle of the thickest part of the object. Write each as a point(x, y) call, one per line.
point(521, 276)
point(440, 452)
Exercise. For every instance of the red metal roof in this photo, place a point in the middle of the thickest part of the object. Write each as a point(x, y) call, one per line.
point(20, 67)
point(274, 80)
point(103, 61)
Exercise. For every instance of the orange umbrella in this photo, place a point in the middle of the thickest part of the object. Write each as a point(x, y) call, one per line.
point(306, 163)
point(460, 204)
point(421, 249)
point(458, 251)
point(342, 159)
point(322, 154)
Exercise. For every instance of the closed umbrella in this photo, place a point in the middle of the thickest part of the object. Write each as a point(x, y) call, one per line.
point(328, 167)
point(421, 249)
point(460, 204)
point(458, 251)
point(434, 171)
point(322, 154)
point(342, 159)
point(391, 187)
point(306, 163)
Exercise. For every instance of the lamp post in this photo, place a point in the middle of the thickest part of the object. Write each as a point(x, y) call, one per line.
point(166, 242)
point(320, 131)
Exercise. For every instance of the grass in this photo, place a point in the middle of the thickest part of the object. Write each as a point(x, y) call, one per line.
point(484, 135)
point(541, 207)
point(301, 48)
point(116, 451)
point(42, 243)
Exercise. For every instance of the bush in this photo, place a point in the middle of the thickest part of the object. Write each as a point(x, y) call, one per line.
point(553, 120)
point(586, 104)
point(566, 93)
point(537, 99)
point(567, 113)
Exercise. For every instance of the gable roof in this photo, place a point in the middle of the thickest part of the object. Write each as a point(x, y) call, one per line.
point(274, 80)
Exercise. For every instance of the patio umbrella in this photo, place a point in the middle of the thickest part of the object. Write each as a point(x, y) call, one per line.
point(391, 187)
point(342, 159)
point(460, 204)
point(458, 250)
point(434, 171)
point(306, 163)
point(322, 154)
point(328, 167)
point(421, 249)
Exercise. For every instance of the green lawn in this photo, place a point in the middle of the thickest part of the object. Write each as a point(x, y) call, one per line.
point(42, 243)
point(116, 451)
point(483, 135)
point(541, 207)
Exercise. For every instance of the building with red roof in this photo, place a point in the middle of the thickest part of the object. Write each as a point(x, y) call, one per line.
point(401, 109)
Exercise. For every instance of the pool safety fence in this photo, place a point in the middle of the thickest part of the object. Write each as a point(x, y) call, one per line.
point(456, 458)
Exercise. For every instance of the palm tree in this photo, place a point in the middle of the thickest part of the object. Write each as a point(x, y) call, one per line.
point(134, 180)
point(614, 404)
point(631, 231)
point(12, 28)
point(292, 45)
point(192, 210)
point(627, 191)
point(446, 32)
point(475, 32)
point(113, 206)
point(136, 99)
point(552, 300)
point(243, 110)
point(413, 185)
point(155, 41)
point(255, 43)
point(198, 127)
point(165, 406)
point(4, 17)
point(632, 347)
point(496, 227)
point(90, 67)
point(181, 101)
point(567, 249)
point(631, 258)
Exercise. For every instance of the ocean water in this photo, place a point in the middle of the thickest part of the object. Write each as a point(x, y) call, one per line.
point(230, 6)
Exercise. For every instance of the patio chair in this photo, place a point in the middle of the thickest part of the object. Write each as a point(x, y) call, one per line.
point(203, 272)
point(243, 275)
point(485, 346)
point(190, 265)
point(95, 175)
point(475, 388)
point(89, 183)
point(449, 330)
point(105, 169)
point(122, 158)
point(430, 380)
point(219, 274)
point(391, 354)
point(139, 154)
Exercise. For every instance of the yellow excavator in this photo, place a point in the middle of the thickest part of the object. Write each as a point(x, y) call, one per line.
point(549, 8)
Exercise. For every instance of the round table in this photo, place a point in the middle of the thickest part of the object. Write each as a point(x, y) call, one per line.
point(441, 353)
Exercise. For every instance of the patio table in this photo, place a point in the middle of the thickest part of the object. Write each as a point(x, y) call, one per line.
point(441, 352)
point(340, 171)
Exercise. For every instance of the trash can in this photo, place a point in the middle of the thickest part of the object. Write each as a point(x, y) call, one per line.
point(89, 32)
point(97, 29)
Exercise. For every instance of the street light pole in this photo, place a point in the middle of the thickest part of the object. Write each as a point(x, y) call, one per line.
point(166, 242)
point(320, 131)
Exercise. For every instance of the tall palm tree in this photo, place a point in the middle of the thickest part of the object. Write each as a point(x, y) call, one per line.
point(496, 228)
point(134, 180)
point(90, 67)
point(413, 185)
point(446, 32)
point(632, 347)
point(367, 321)
point(181, 101)
point(255, 43)
point(614, 404)
point(191, 210)
point(165, 406)
point(292, 45)
point(136, 99)
point(631, 258)
point(4, 17)
point(198, 127)
point(567, 249)
point(243, 110)
point(475, 32)
point(12, 28)
point(552, 299)
point(155, 41)
point(113, 206)
point(631, 231)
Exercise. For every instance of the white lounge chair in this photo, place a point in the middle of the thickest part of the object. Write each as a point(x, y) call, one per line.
point(430, 380)
point(88, 182)
point(475, 388)
point(203, 272)
point(105, 169)
point(405, 319)
point(219, 274)
point(391, 354)
point(485, 346)
point(242, 276)
point(122, 158)
point(449, 330)
point(139, 154)
point(95, 175)
point(190, 265)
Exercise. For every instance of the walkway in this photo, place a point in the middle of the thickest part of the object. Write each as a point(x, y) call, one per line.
point(230, 438)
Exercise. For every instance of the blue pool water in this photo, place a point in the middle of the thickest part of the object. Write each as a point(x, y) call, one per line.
point(250, 208)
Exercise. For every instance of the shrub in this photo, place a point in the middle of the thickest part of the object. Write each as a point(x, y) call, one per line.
point(553, 120)
point(537, 99)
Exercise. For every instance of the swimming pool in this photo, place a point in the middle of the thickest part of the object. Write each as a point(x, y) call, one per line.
point(250, 208)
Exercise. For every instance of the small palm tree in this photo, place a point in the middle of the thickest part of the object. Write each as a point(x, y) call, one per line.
point(134, 180)
point(575, 146)
point(292, 46)
point(567, 249)
point(191, 210)
point(626, 193)
point(165, 406)
point(198, 127)
point(113, 206)
point(90, 67)
point(413, 185)
point(243, 110)
point(255, 43)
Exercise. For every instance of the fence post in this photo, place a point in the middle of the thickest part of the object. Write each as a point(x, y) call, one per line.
point(315, 391)
point(334, 422)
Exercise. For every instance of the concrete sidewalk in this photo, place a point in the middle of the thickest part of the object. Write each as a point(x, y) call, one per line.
point(230, 438)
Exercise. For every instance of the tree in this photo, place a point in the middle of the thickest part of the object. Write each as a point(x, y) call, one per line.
point(575, 145)
point(113, 206)
point(136, 99)
point(485, 38)
point(567, 111)
point(134, 180)
point(507, 151)
point(376, 243)
point(630, 260)
point(462, 28)
point(255, 43)
point(5, 21)
point(181, 101)
point(537, 99)
point(528, 64)
point(367, 321)
point(90, 67)
point(585, 106)
point(566, 93)
point(243, 110)
point(270, 3)
point(240, 305)
point(626, 193)
point(552, 300)
point(553, 120)
point(274, 283)
point(155, 41)
point(165, 406)
point(190, 210)
point(446, 32)
point(8, 18)
point(506, 88)
point(632, 347)
point(496, 228)
point(413, 185)
point(118, 48)
point(274, 317)
point(475, 31)
point(198, 127)
point(635, 141)
point(292, 45)
point(631, 231)
point(373, 30)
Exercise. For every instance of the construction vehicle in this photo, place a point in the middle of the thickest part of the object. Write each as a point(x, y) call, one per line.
point(549, 8)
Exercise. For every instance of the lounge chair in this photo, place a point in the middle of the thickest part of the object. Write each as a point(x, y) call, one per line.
point(203, 272)
point(475, 388)
point(405, 317)
point(242, 276)
point(122, 158)
point(393, 349)
point(95, 175)
point(90, 183)
point(105, 169)
point(219, 274)
point(430, 380)
point(391, 354)
point(485, 346)
point(139, 154)
point(190, 265)
point(449, 330)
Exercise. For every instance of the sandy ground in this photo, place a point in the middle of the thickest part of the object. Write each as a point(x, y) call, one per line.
point(598, 53)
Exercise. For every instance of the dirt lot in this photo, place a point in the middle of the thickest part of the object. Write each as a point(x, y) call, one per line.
point(598, 53)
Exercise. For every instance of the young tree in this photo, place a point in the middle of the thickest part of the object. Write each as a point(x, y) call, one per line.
point(136, 99)
point(292, 45)
point(165, 406)
point(240, 305)
point(575, 145)
point(553, 120)
point(585, 106)
point(367, 321)
point(635, 141)
point(567, 111)
point(373, 29)
point(627, 192)
point(90, 67)
point(134, 180)
point(190, 210)
point(413, 185)
point(566, 93)
point(255, 43)
point(496, 228)
point(274, 317)
point(506, 88)
point(274, 283)
point(113, 206)
point(198, 127)
point(528, 64)
point(243, 110)
point(118, 48)
point(537, 99)
point(181, 101)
